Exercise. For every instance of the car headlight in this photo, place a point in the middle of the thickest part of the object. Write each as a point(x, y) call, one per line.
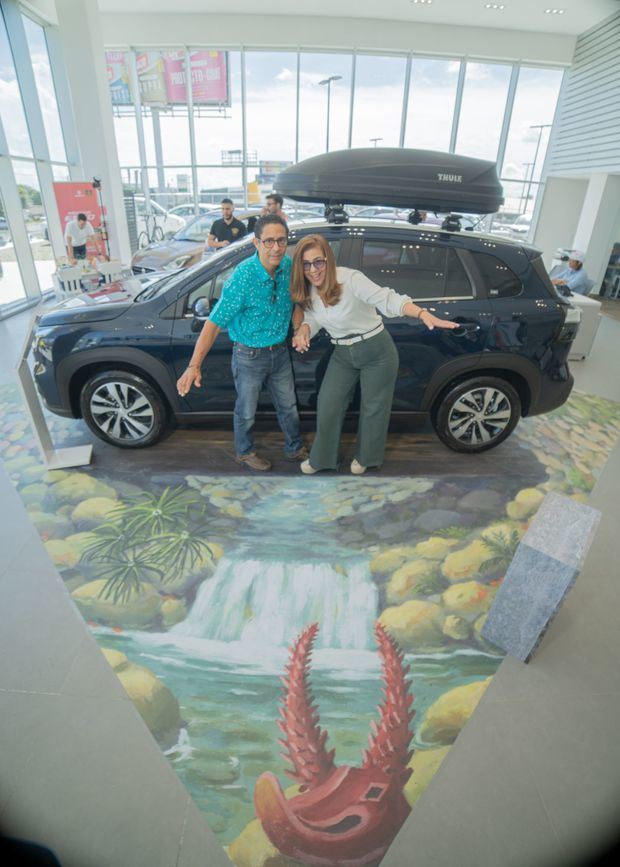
point(179, 262)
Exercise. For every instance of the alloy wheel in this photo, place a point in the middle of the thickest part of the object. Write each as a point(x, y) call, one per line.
point(479, 416)
point(122, 411)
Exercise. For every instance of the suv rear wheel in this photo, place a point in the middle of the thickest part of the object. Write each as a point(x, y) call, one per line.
point(477, 414)
point(123, 409)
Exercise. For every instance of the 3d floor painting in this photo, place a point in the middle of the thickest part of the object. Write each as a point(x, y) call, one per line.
point(304, 650)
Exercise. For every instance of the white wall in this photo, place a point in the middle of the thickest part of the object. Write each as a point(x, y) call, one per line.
point(561, 205)
point(221, 31)
point(587, 134)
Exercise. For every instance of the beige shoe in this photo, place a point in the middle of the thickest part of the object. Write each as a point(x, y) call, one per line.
point(254, 462)
point(300, 455)
point(307, 469)
point(356, 468)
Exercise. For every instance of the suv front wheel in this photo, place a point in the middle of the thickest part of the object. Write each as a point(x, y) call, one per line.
point(123, 409)
point(477, 414)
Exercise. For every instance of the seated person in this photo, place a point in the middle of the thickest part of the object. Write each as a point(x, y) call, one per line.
point(573, 276)
point(227, 230)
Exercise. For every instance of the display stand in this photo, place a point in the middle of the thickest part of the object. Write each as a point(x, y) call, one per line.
point(55, 459)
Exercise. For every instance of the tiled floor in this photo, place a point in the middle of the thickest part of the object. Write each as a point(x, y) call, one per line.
point(533, 781)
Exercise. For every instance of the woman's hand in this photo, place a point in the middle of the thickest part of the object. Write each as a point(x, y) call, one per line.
point(432, 321)
point(192, 376)
point(301, 338)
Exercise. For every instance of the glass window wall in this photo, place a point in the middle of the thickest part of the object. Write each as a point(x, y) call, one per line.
point(482, 109)
point(42, 70)
point(11, 283)
point(378, 103)
point(324, 82)
point(36, 223)
point(430, 110)
point(271, 102)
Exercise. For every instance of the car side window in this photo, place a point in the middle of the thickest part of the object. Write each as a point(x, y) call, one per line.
point(210, 289)
point(418, 270)
point(500, 281)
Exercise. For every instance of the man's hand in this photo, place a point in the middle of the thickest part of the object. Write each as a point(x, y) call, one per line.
point(301, 338)
point(192, 376)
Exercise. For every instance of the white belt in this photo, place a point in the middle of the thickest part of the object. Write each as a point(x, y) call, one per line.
point(349, 341)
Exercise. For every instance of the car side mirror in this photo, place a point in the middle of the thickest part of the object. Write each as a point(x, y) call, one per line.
point(201, 308)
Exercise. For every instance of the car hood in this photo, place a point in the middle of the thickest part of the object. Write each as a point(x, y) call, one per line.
point(156, 256)
point(106, 302)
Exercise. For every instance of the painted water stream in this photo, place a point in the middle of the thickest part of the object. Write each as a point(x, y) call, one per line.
point(224, 662)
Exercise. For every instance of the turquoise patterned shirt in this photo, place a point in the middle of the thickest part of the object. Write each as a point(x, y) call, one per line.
point(255, 307)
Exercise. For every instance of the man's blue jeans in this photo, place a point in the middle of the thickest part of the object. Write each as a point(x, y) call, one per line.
point(252, 370)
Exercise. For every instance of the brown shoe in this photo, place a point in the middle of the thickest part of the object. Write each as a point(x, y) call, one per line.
point(254, 462)
point(300, 455)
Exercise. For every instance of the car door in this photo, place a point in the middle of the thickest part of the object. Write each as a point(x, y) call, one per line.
point(436, 275)
point(217, 393)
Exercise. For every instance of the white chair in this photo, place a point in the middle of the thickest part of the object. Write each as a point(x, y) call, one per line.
point(69, 279)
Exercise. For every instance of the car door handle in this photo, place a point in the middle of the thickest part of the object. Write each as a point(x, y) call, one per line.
point(464, 329)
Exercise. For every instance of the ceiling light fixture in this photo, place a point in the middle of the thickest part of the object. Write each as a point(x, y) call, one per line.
point(498, 6)
point(421, 2)
point(555, 11)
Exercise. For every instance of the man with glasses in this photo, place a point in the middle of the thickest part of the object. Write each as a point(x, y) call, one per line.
point(256, 308)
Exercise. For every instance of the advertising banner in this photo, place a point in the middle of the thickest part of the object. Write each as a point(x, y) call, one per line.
point(162, 77)
point(118, 77)
point(74, 197)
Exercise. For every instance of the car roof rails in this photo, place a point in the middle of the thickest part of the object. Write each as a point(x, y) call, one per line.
point(395, 177)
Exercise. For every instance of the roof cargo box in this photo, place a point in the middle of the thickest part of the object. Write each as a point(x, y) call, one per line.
point(396, 177)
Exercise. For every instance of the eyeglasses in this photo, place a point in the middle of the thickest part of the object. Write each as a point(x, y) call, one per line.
point(317, 264)
point(269, 242)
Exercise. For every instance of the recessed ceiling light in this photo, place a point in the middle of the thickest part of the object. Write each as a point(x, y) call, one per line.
point(421, 2)
point(555, 11)
point(497, 6)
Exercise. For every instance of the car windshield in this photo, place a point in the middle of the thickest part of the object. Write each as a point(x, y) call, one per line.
point(180, 277)
point(197, 229)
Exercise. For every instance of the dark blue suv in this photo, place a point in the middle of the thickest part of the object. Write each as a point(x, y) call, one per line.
point(113, 356)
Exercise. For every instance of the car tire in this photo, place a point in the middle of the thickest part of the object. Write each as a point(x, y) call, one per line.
point(477, 414)
point(123, 409)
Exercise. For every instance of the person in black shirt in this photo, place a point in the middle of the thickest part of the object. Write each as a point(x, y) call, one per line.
point(227, 230)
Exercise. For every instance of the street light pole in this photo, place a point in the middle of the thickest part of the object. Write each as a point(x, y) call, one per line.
point(375, 140)
point(328, 82)
point(528, 178)
point(540, 127)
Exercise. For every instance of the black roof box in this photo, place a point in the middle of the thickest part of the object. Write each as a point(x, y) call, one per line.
point(395, 177)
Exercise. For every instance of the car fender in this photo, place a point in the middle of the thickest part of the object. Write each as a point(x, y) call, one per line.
point(156, 370)
point(492, 363)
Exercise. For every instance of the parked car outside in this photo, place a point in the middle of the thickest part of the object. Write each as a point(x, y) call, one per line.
point(185, 248)
point(508, 359)
point(520, 229)
point(187, 212)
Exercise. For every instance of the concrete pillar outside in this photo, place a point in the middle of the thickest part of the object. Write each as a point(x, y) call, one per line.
point(599, 224)
point(79, 32)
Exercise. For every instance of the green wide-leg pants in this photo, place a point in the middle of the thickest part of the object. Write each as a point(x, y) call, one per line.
point(374, 364)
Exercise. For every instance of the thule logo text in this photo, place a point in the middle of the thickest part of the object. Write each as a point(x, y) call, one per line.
point(455, 179)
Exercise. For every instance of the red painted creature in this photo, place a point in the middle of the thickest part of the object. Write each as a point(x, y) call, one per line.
point(344, 816)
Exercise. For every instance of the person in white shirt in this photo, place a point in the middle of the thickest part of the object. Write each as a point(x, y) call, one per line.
point(344, 302)
point(77, 233)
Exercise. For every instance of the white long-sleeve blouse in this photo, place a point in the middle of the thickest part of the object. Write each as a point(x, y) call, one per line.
point(356, 312)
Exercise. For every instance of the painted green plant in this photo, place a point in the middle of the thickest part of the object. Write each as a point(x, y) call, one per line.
point(147, 537)
point(503, 546)
point(453, 532)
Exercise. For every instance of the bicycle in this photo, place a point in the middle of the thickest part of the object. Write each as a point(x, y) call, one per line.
point(148, 236)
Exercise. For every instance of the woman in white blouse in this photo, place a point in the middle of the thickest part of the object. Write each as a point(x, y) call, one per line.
point(344, 302)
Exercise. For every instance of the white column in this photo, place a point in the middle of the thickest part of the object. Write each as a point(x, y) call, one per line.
point(598, 224)
point(79, 33)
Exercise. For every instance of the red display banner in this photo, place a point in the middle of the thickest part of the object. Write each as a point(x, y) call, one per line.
point(75, 197)
point(209, 71)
